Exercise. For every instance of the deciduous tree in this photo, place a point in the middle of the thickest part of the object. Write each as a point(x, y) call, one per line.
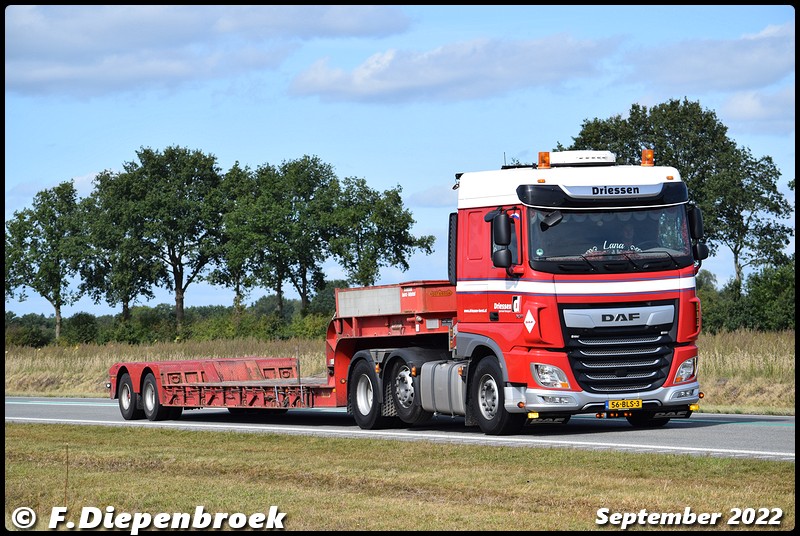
point(373, 231)
point(43, 248)
point(183, 216)
point(737, 193)
point(119, 264)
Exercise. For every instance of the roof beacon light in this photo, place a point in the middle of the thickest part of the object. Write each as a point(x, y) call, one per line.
point(544, 160)
point(647, 158)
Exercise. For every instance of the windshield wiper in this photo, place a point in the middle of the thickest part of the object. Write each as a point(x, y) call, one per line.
point(651, 260)
point(570, 262)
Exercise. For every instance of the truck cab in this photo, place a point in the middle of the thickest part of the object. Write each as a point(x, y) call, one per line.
point(576, 276)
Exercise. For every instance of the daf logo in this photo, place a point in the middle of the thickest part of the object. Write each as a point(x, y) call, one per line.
point(654, 315)
point(621, 317)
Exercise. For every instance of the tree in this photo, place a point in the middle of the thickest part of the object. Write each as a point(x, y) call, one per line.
point(236, 258)
point(267, 222)
point(181, 207)
point(736, 193)
point(746, 203)
point(373, 230)
point(119, 264)
point(770, 301)
point(324, 301)
point(308, 193)
point(43, 248)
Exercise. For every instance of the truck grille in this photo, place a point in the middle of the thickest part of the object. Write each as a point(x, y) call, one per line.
point(602, 371)
point(623, 359)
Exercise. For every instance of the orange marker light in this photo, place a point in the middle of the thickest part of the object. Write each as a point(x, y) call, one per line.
point(648, 159)
point(544, 160)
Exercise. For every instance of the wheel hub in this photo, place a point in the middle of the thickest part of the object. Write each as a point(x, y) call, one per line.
point(404, 387)
point(488, 397)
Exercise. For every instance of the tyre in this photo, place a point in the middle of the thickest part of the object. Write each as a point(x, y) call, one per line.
point(405, 394)
point(487, 400)
point(153, 409)
point(175, 412)
point(364, 394)
point(128, 399)
point(646, 420)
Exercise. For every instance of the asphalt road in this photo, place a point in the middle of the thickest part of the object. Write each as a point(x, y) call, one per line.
point(733, 436)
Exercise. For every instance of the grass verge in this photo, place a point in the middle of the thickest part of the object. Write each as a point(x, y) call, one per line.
point(357, 484)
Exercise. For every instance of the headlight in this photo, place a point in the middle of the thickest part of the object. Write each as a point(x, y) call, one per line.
point(550, 376)
point(686, 371)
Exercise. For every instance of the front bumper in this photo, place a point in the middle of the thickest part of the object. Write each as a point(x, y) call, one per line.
point(523, 399)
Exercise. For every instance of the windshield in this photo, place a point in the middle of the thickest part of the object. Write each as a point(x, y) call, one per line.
point(569, 241)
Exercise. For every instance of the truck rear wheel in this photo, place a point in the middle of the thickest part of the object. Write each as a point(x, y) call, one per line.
point(488, 401)
point(405, 395)
point(128, 399)
point(364, 397)
point(153, 409)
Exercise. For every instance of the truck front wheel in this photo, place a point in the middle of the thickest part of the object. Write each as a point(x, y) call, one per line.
point(128, 399)
point(153, 409)
point(488, 401)
point(364, 399)
point(405, 396)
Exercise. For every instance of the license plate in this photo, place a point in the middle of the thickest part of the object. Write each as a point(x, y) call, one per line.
point(623, 404)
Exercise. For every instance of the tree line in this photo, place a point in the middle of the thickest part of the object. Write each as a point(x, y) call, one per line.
point(173, 218)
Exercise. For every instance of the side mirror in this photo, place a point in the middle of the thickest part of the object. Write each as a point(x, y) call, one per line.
point(501, 229)
point(700, 251)
point(696, 222)
point(502, 258)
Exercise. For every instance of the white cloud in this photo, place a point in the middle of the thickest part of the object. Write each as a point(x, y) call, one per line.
point(459, 71)
point(93, 50)
point(750, 62)
point(770, 112)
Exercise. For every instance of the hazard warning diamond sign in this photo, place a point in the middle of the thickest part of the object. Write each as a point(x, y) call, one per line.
point(529, 321)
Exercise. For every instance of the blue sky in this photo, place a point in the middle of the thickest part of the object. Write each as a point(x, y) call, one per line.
point(397, 95)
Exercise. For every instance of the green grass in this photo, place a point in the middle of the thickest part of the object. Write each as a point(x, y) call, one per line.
point(358, 484)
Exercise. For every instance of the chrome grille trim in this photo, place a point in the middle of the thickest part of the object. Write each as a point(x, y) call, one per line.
point(621, 351)
point(637, 340)
point(620, 378)
point(618, 364)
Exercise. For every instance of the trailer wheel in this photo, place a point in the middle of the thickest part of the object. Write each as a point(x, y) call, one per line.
point(646, 420)
point(128, 399)
point(488, 400)
point(364, 397)
point(153, 409)
point(405, 395)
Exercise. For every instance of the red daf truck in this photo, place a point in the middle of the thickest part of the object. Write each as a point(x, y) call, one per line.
point(571, 290)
